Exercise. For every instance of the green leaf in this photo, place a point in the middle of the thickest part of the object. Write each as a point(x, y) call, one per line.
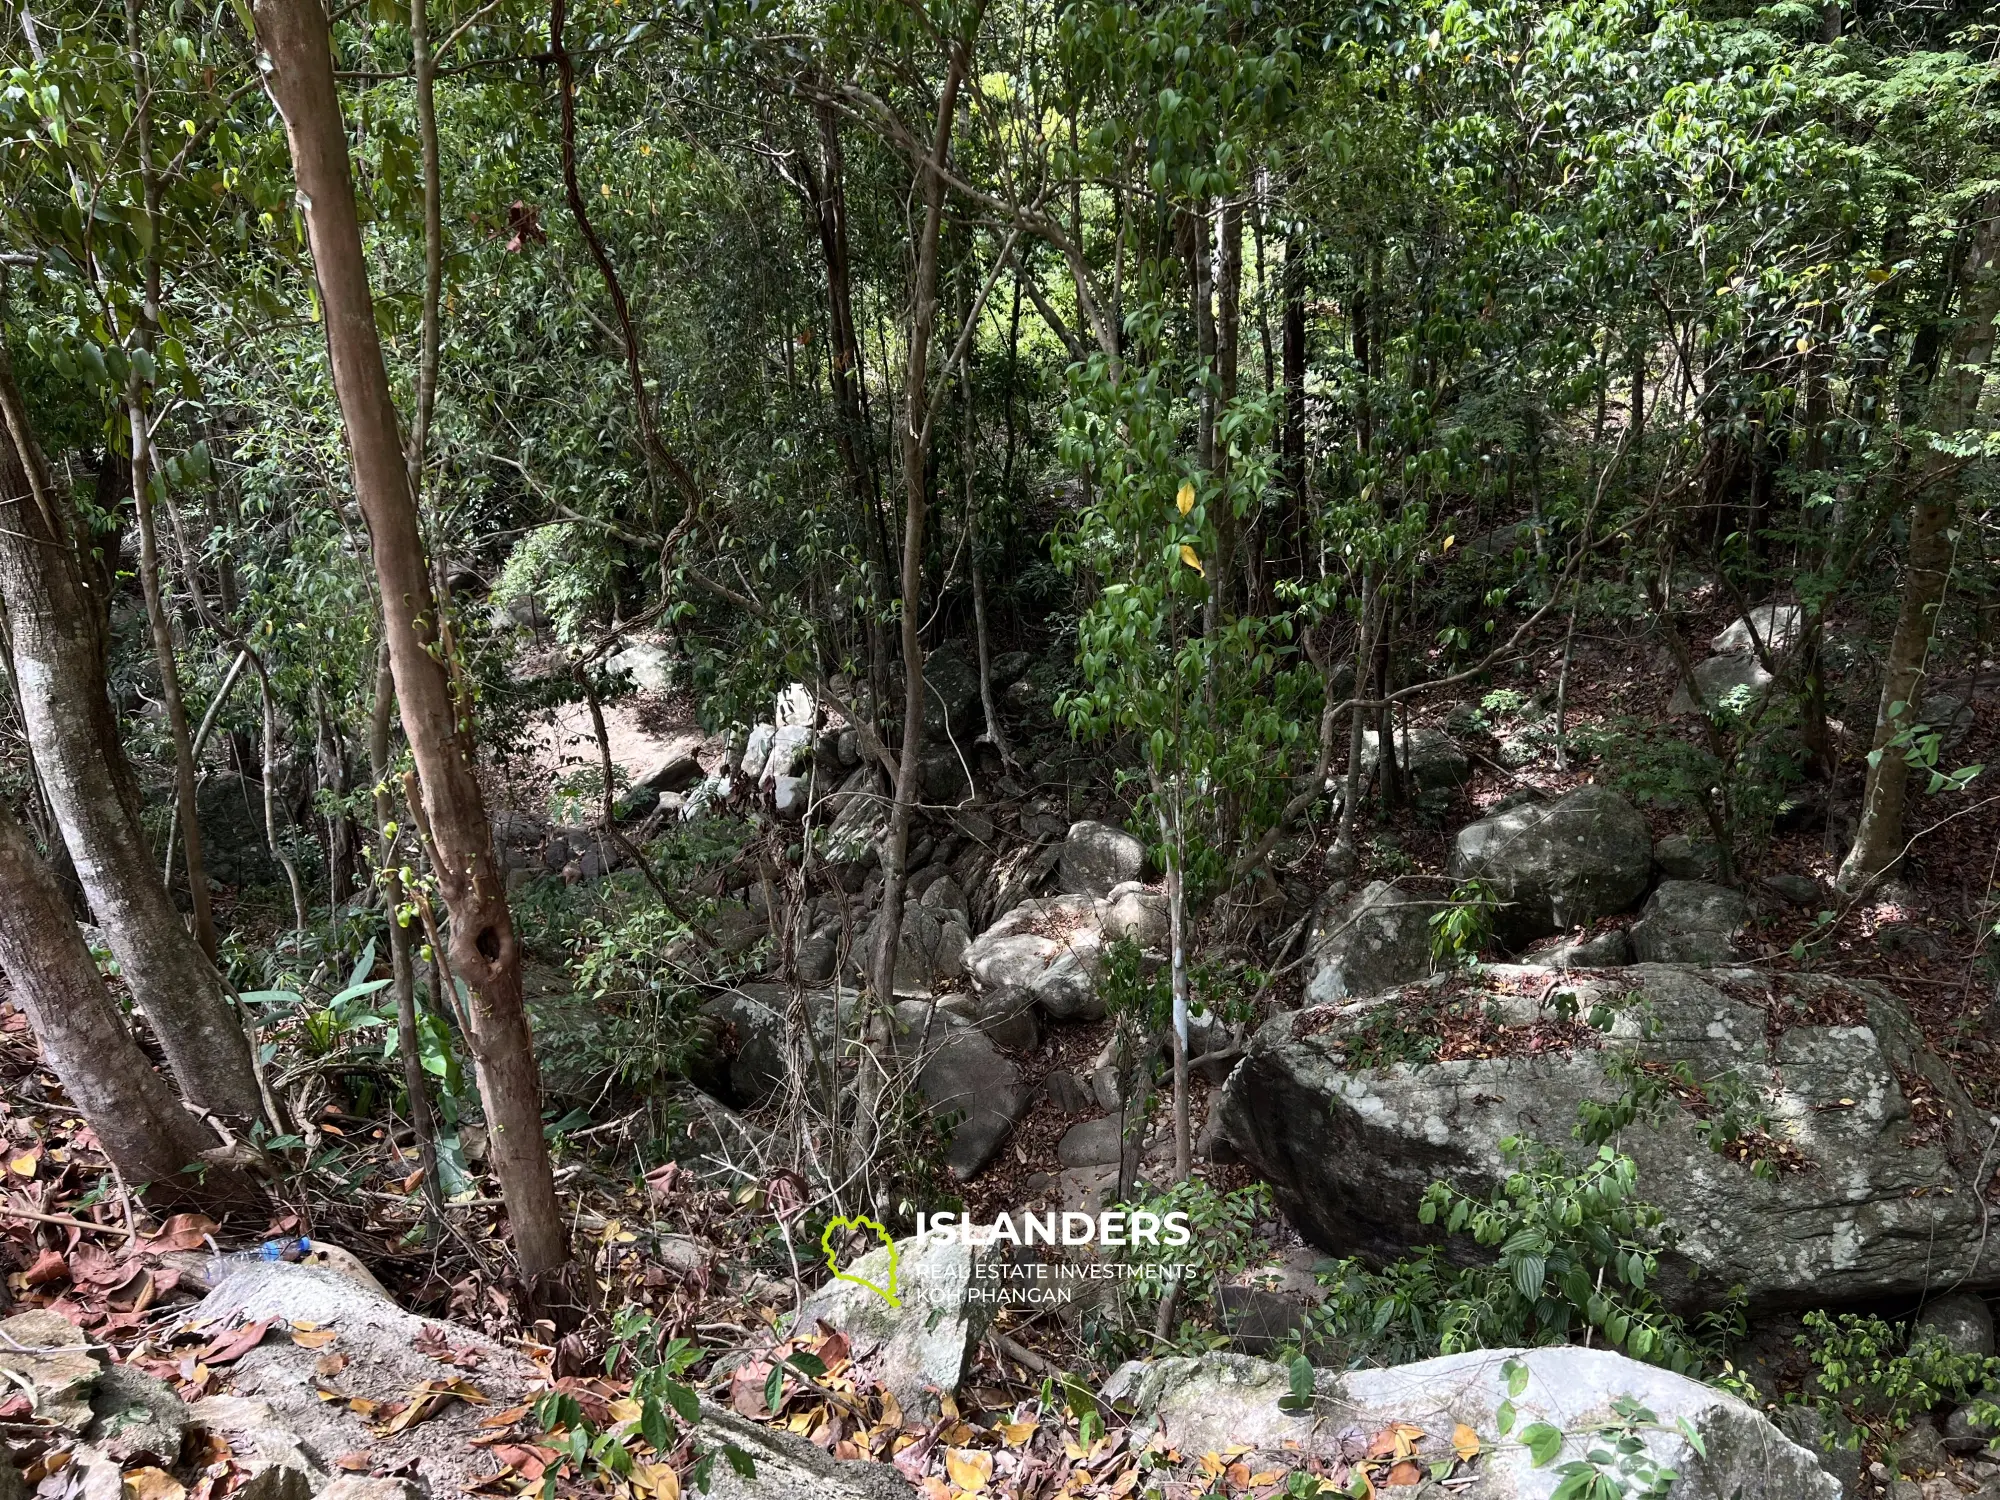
point(1542, 1441)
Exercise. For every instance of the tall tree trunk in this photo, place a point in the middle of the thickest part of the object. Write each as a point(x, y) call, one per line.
point(1932, 479)
point(58, 662)
point(1292, 435)
point(137, 402)
point(149, 1137)
point(483, 948)
point(1228, 363)
point(915, 437)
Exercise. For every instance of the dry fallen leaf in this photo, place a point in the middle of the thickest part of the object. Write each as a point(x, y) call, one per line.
point(313, 1338)
point(358, 1462)
point(150, 1483)
point(969, 1470)
point(1465, 1442)
point(234, 1344)
point(1017, 1433)
point(658, 1480)
point(329, 1365)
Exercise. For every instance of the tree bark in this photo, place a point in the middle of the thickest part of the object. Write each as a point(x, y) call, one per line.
point(58, 663)
point(916, 440)
point(483, 948)
point(149, 1137)
point(1933, 482)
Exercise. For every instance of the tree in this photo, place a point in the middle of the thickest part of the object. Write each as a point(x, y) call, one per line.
point(55, 634)
point(1934, 484)
point(484, 951)
point(149, 1137)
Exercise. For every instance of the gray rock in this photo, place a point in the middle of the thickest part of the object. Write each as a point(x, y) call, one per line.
point(1830, 1445)
point(1066, 1092)
point(759, 1039)
point(789, 795)
point(930, 951)
point(1794, 890)
point(230, 809)
point(1962, 1322)
point(791, 748)
point(1830, 1064)
point(678, 770)
point(1689, 922)
point(46, 1354)
point(1048, 951)
point(1429, 759)
point(1734, 682)
point(920, 1349)
point(361, 1487)
point(1008, 668)
point(794, 707)
point(650, 667)
point(1563, 864)
point(1610, 949)
point(788, 1467)
point(276, 1464)
point(1920, 1450)
point(965, 1078)
point(1259, 1320)
point(1778, 627)
point(1964, 1433)
point(1009, 1017)
point(1680, 857)
point(1096, 857)
point(139, 1419)
point(951, 698)
point(1221, 1400)
point(1131, 912)
point(757, 751)
point(1379, 941)
point(1092, 1143)
point(1949, 716)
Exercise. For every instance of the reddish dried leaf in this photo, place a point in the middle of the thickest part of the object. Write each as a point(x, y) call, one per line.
point(234, 1344)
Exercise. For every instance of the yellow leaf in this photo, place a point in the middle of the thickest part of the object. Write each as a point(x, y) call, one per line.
point(604, 188)
point(152, 1484)
point(1447, 544)
point(314, 1338)
point(625, 1409)
point(660, 1479)
point(24, 1164)
point(1266, 1476)
point(1803, 345)
point(1212, 1464)
point(1017, 1433)
point(1185, 499)
point(1192, 559)
point(1465, 1442)
point(968, 1470)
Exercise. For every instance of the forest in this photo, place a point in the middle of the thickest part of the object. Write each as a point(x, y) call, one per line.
point(999, 749)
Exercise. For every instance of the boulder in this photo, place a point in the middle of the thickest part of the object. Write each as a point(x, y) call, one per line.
point(1092, 1143)
point(230, 809)
point(919, 1350)
point(677, 770)
point(1096, 857)
point(791, 748)
point(757, 751)
point(275, 1464)
point(1350, 1111)
point(1131, 913)
point(930, 951)
point(1794, 890)
point(138, 1418)
point(1230, 1402)
point(1008, 668)
point(1950, 717)
point(45, 1354)
point(1429, 759)
point(1961, 1322)
point(966, 1079)
point(1560, 864)
point(1679, 857)
point(951, 699)
point(789, 795)
point(361, 1487)
point(1778, 627)
point(278, 1422)
point(794, 708)
point(1048, 951)
point(757, 1038)
point(1610, 949)
point(1732, 682)
point(650, 667)
point(787, 1466)
point(1380, 940)
point(1689, 922)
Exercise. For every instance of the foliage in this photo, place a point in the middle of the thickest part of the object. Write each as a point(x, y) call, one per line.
point(1576, 1251)
point(1223, 1240)
point(1878, 1375)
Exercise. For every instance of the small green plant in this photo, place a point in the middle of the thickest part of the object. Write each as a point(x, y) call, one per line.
point(1616, 1463)
point(1385, 1036)
point(1872, 1373)
point(1223, 1240)
point(1464, 925)
point(1576, 1253)
point(1729, 1112)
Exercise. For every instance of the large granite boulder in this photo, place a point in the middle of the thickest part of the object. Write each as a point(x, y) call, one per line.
point(1736, 681)
point(919, 1349)
point(1378, 941)
point(965, 1079)
point(1096, 857)
point(1560, 864)
point(1850, 1181)
point(1689, 922)
point(1229, 1403)
point(1050, 950)
point(759, 1041)
point(1429, 760)
point(1777, 627)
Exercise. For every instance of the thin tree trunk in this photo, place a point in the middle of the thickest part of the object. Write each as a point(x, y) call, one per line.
point(402, 969)
point(1293, 432)
point(1933, 482)
point(136, 404)
point(484, 951)
point(149, 1137)
point(916, 440)
point(1228, 362)
point(58, 670)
